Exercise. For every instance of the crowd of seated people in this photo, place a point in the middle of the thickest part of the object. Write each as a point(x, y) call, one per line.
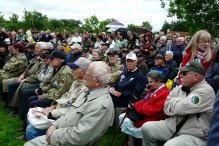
point(127, 70)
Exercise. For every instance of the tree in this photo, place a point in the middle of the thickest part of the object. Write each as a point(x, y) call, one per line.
point(133, 27)
point(2, 20)
point(35, 19)
point(13, 23)
point(197, 14)
point(174, 26)
point(91, 24)
point(147, 25)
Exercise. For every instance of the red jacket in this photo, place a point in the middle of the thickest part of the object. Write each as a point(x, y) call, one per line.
point(187, 56)
point(152, 108)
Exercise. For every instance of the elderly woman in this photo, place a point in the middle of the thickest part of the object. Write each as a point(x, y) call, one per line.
point(97, 55)
point(150, 107)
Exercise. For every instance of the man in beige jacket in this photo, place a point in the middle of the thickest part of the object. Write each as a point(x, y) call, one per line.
point(189, 105)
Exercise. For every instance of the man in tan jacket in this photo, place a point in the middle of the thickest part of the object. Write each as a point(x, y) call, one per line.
point(88, 118)
point(189, 105)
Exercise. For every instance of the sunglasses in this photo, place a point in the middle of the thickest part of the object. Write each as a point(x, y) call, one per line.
point(187, 73)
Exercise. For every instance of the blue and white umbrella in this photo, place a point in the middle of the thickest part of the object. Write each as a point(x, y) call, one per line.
point(115, 25)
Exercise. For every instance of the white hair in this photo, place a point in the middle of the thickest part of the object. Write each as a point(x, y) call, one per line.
point(45, 45)
point(163, 37)
point(101, 71)
point(169, 53)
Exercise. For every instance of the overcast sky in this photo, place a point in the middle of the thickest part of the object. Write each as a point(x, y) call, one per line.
point(125, 11)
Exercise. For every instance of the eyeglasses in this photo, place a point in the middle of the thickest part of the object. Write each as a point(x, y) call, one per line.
point(187, 73)
point(90, 77)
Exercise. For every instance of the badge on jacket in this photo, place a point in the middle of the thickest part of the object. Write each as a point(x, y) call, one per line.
point(55, 84)
point(194, 100)
point(62, 81)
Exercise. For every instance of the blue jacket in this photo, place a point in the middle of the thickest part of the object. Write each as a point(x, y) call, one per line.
point(131, 85)
point(212, 76)
point(177, 51)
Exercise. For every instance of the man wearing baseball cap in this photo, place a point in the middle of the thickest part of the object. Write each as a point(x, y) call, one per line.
point(189, 108)
point(57, 86)
point(114, 64)
point(75, 53)
point(131, 83)
point(159, 66)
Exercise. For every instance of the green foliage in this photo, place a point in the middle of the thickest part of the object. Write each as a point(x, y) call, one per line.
point(174, 26)
point(91, 24)
point(197, 14)
point(147, 25)
point(133, 28)
point(35, 19)
point(8, 125)
point(38, 21)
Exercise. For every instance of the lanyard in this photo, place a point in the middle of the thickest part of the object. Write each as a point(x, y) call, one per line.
point(152, 93)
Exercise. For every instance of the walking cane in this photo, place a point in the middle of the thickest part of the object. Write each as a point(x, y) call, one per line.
point(118, 128)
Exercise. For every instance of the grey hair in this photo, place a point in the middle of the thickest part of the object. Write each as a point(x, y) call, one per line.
point(42, 45)
point(102, 71)
point(156, 76)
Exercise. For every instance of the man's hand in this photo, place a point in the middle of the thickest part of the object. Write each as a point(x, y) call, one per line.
point(114, 92)
point(21, 78)
point(40, 97)
point(49, 132)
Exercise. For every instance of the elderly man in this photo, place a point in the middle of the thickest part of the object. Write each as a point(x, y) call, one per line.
point(130, 85)
point(170, 64)
point(27, 79)
point(160, 67)
point(57, 86)
point(162, 48)
point(88, 118)
point(115, 67)
point(54, 88)
point(178, 49)
point(189, 107)
point(61, 105)
point(75, 53)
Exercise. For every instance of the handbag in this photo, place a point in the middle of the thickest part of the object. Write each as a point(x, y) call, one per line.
point(133, 115)
point(37, 119)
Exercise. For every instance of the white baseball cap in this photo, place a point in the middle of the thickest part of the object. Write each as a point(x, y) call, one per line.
point(76, 45)
point(131, 56)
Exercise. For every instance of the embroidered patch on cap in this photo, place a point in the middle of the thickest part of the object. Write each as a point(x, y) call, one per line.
point(195, 100)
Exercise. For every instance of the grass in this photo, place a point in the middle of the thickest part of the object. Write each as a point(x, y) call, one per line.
point(8, 133)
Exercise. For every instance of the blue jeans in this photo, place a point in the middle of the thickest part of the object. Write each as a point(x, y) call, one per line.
point(32, 132)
